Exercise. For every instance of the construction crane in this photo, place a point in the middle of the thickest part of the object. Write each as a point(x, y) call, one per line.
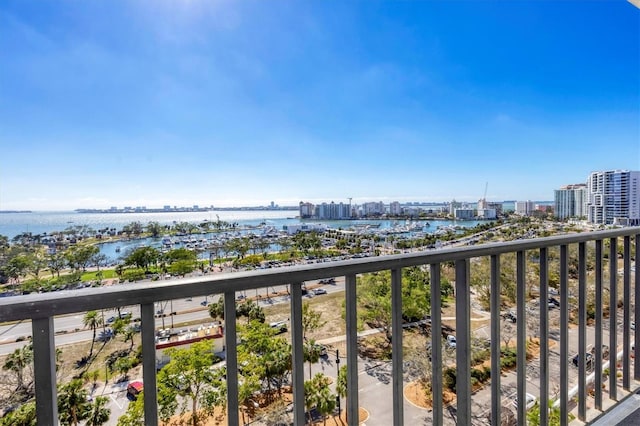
point(483, 201)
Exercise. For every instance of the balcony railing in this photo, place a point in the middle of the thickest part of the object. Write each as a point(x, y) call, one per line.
point(41, 309)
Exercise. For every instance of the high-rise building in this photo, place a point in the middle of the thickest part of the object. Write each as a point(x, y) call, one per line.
point(614, 197)
point(332, 210)
point(525, 208)
point(570, 201)
point(306, 210)
point(394, 208)
point(373, 209)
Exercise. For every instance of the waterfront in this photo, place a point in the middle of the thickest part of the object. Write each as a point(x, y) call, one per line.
point(40, 222)
point(12, 224)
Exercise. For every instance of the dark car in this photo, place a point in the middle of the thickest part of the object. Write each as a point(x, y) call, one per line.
point(588, 360)
point(510, 316)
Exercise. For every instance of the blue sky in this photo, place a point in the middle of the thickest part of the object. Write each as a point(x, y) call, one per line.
point(107, 103)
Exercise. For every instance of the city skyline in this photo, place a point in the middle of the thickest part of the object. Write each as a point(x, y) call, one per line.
point(243, 103)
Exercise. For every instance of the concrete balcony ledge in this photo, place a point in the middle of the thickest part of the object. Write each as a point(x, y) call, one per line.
point(625, 413)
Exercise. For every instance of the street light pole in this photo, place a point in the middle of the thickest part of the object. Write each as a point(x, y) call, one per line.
point(338, 375)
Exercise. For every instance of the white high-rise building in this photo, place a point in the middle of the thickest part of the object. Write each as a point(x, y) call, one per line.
point(570, 201)
point(395, 209)
point(614, 197)
point(306, 210)
point(525, 208)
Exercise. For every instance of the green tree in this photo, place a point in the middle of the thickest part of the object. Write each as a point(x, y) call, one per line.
point(311, 351)
point(189, 375)
point(311, 319)
point(20, 363)
point(251, 310)
point(92, 320)
point(56, 263)
point(216, 309)
point(264, 356)
point(25, 415)
point(143, 257)
point(133, 228)
point(318, 394)
point(154, 228)
point(180, 254)
point(182, 267)
point(134, 416)
point(374, 296)
point(79, 257)
point(123, 365)
point(99, 413)
point(73, 406)
point(17, 267)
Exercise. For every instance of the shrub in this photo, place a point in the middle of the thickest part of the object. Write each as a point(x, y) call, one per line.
point(450, 377)
point(133, 275)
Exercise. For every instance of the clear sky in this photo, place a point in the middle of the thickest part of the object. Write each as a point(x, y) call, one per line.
point(114, 103)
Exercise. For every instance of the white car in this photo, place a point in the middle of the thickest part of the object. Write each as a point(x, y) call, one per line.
point(531, 401)
point(319, 291)
point(451, 341)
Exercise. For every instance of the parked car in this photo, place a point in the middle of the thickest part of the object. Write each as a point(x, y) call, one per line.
point(322, 350)
point(279, 326)
point(588, 360)
point(510, 316)
point(531, 401)
point(451, 341)
point(319, 291)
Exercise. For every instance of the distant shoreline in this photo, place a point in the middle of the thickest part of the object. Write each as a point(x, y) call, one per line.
point(15, 211)
point(185, 209)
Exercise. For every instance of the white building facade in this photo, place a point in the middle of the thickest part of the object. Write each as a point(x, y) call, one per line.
point(525, 208)
point(614, 197)
point(570, 201)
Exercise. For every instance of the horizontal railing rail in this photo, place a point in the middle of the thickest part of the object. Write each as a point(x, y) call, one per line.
point(42, 308)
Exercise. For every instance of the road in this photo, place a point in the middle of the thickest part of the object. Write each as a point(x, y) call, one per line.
point(70, 329)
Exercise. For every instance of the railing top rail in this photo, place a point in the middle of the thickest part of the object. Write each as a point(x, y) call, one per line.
point(71, 301)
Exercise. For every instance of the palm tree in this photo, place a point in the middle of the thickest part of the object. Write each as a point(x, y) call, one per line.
point(92, 320)
point(18, 362)
point(311, 351)
point(98, 412)
point(72, 403)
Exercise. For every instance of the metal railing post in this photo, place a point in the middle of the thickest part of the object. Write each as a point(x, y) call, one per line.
point(582, 332)
point(626, 315)
point(44, 369)
point(598, 330)
point(352, 349)
point(544, 337)
point(148, 331)
point(613, 318)
point(231, 357)
point(463, 343)
point(636, 319)
point(496, 406)
point(436, 345)
point(396, 349)
point(564, 334)
point(521, 356)
point(297, 348)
